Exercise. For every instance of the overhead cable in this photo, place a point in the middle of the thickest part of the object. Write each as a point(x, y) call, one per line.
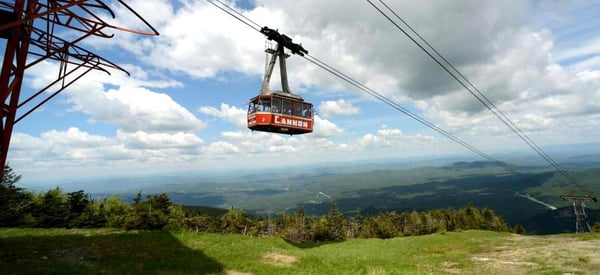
point(370, 91)
point(395, 105)
point(469, 86)
point(236, 14)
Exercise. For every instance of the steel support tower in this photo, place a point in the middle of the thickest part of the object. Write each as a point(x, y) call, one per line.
point(582, 223)
point(28, 29)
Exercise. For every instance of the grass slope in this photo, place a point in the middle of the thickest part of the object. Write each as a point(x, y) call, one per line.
point(53, 251)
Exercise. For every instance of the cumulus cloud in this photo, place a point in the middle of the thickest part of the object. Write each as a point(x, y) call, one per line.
point(387, 137)
point(74, 137)
point(338, 107)
point(191, 43)
point(68, 148)
point(524, 65)
point(134, 109)
point(131, 106)
point(220, 148)
point(101, 155)
point(507, 55)
point(232, 114)
point(325, 128)
point(156, 141)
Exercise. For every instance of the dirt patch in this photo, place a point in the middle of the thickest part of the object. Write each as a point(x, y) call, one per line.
point(452, 270)
point(279, 259)
point(523, 254)
point(233, 272)
point(449, 267)
point(501, 262)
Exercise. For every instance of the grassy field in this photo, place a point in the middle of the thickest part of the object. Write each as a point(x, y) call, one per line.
point(61, 251)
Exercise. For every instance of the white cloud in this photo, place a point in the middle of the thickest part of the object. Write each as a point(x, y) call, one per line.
point(338, 107)
point(506, 55)
point(74, 137)
point(221, 148)
point(590, 76)
point(533, 121)
point(59, 154)
point(134, 109)
point(394, 138)
point(155, 141)
point(199, 40)
point(131, 107)
point(232, 114)
point(527, 69)
point(325, 128)
point(65, 148)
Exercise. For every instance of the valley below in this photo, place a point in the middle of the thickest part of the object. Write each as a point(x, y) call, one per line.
point(526, 193)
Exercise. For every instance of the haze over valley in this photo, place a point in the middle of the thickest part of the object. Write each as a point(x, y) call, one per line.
point(528, 196)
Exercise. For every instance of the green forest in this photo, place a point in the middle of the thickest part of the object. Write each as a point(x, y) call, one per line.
point(57, 209)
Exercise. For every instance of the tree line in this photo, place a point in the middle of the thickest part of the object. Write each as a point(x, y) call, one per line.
point(57, 209)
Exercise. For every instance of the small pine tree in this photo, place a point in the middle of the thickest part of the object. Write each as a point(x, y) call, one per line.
point(596, 226)
point(519, 229)
point(336, 224)
point(9, 178)
point(16, 204)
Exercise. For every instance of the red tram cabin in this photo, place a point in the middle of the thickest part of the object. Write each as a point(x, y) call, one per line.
point(277, 113)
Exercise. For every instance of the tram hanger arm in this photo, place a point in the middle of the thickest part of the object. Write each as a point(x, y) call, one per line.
point(283, 40)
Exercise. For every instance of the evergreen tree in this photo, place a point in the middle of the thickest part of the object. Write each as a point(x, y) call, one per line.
point(368, 227)
point(320, 229)
point(429, 226)
point(470, 217)
point(138, 198)
point(491, 221)
point(77, 202)
point(160, 202)
point(386, 225)
point(201, 223)
point(115, 211)
point(354, 226)
point(336, 224)
point(296, 227)
point(519, 229)
point(175, 218)
point(234, 221)
point(92, 216)
point(16, 207)
point(52, 209)
point(596, 227)
point(413, 225)
point(9, 178)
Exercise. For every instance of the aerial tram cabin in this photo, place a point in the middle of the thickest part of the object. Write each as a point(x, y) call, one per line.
point(279, 111)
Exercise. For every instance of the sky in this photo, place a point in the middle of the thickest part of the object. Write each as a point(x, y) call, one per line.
point(183, 109)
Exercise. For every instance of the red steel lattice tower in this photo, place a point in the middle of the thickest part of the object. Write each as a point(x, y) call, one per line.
point(28, 28)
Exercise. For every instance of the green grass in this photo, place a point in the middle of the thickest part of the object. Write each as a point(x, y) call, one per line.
point(105, 251)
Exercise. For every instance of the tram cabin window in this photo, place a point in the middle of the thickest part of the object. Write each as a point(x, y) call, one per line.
point(306, 110)
point(287, 107)
point(276, 105)
point(265, 105)
point(297, 109)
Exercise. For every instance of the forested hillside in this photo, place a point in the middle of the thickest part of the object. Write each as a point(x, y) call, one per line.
point(56, 209)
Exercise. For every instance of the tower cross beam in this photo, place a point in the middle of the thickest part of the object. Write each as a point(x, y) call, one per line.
point(26, 39)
